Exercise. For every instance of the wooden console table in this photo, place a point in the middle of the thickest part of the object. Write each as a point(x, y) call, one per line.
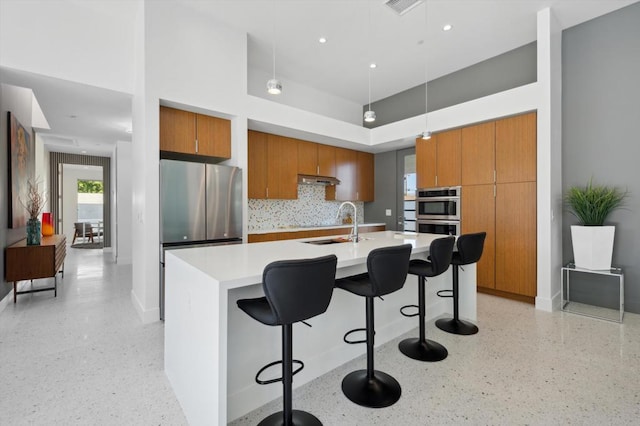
point(23, 262)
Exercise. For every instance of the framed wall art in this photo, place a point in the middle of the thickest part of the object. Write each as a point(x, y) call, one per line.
point(21, 169)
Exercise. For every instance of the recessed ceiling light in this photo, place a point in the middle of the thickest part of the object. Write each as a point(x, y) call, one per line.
point(322, 40)
point(447, 27)
point(73, 116)
point(373, 65)
point(83, 151)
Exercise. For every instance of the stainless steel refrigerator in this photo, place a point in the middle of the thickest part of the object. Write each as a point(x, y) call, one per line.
point(200, 205)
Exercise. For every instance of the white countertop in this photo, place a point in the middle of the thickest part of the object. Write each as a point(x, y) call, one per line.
point(242, 264)
point(310, 228)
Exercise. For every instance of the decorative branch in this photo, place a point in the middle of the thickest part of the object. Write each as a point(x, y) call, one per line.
point(35, 199)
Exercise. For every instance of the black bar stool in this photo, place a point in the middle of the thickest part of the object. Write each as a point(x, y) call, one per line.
point(470, 248)
point(295, 290)
point(387, 271)
point(422, 348)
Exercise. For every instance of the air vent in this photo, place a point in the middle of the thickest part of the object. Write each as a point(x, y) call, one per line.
point(402, 6)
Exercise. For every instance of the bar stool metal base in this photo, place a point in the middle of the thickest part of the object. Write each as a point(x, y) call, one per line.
point(380, 391)
point(456, 326)
point(423, 350)
point(300, 418)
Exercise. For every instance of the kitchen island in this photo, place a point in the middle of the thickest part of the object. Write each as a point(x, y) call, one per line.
point(213, 350)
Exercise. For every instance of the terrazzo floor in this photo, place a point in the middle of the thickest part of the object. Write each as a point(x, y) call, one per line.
point(84, 358)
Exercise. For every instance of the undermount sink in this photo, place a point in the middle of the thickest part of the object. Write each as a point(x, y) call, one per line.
point(327, 241)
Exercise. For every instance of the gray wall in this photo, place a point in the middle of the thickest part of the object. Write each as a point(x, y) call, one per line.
point(18, 101)
point(601, 134)
point(389, 183)
point(385, 191)
point(503, 72)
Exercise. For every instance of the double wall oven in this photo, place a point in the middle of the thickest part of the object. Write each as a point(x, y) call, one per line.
point(438, 210)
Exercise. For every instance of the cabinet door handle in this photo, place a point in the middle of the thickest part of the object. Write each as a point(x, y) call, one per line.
point(267, 192)
point(494, 176)
point(494, 191)
point(196, 145)
point(318, 170)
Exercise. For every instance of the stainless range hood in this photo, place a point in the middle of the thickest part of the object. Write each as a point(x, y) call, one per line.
point(317, 180)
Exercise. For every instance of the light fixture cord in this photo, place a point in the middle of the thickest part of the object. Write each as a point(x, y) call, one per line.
point(426, 67)
point(274, 39)
point(369, 48)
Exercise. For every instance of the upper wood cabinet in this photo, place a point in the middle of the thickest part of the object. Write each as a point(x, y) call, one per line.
point(478, 154)
point(516, 142)
point(326, 160)
point(426, 163)
point(438, 160)
point(347, 174)
point(272, 164)
point(448, 160)
point(214, 136)
point(257, 165)
point(191, 133)
point(316, 159)
point(355, 170)
point(365, 176)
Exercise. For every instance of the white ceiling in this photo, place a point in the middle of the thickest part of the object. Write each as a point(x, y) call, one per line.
point(398, 44)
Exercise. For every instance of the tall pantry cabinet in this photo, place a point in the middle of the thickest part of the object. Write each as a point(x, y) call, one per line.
point(499, 197)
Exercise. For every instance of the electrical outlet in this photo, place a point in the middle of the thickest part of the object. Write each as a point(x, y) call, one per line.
point(387, 212)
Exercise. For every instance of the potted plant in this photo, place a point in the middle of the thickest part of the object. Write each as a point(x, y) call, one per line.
point(34, 205)
point(593, 241)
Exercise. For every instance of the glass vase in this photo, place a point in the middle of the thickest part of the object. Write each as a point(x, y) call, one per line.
point(47, 224)
point(33, 232)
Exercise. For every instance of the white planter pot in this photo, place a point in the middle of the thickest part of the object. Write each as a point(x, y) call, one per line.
point(592, 246)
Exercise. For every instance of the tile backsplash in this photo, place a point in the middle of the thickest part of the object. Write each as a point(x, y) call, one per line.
point(309, 209)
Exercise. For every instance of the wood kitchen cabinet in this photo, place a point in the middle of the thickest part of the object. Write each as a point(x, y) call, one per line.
point(426, 163)
point(355, 170)
point(499, 197)
point(347, 174)
point(438, 160)
point(478, 154)
point(365, 176)
point(257, 165)
point(187, 132)
point(279, 236)
point(516, 149)
point(516, 246)
point(316, 159)
point(478, 215)
point(273, 166)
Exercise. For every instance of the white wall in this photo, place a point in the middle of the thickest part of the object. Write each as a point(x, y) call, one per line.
point(123, 201)
point(70, 175)
point(305, 97)
point(89, 42)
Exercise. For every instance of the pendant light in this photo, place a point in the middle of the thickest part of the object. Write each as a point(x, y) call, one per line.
point(369, 115)
point(426, 134)
point(274, 86)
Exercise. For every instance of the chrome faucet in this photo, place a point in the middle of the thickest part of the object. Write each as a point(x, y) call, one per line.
point(354, 233)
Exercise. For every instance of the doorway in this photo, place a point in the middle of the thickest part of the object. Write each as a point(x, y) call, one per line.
point(406, 189)
point(82, 197)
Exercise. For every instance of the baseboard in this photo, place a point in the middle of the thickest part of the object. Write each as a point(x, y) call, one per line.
point(507, 295)
point(548, 305)
point(147, 316)
point(8, 298)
